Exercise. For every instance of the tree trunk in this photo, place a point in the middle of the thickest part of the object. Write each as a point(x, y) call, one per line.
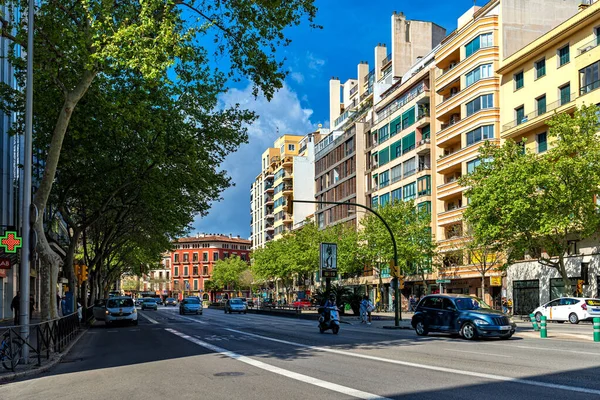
point(565, 277)
point(49, 277)
point(483, 286)
point(69, 262)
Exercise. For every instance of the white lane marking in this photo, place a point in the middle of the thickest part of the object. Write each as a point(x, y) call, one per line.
point(148, 318)
point(476, 352)
point(587, 353)
point(431, 367)
point(280, 371)
point(192, 319)
point(112, 331)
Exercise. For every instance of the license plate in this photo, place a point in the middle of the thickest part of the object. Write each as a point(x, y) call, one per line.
point(505, 328)
point(120, 317)
point(596, 309)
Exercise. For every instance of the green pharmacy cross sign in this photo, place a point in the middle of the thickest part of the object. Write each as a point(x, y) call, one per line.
point(11, 242)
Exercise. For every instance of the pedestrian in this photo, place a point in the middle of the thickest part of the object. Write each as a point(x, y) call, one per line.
point(15, 306)
point(63, 306)
point(378, 302)
point(366, 309)
point(509, 303)
point(504, 305)
point(79, 310)
point(411, 303)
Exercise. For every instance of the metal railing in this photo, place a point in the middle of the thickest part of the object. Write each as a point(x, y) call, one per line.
point(397, 104)
point(542, 111)
point(589, 45)
point(589, 88)
point(353, 89)
point(386, 60)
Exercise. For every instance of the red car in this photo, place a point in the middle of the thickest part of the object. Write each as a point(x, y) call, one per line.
point(302, 303)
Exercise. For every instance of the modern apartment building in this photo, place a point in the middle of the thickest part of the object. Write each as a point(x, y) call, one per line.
point(193, 258)
point(287, 173)
point(553, 74)
point(467, 111)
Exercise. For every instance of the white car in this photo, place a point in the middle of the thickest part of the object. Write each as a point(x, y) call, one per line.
point(120, 309)
point(572, 309)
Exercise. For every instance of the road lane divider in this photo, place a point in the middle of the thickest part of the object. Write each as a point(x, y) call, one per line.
point(359, 394)
point(436, 368)
point(148, 318)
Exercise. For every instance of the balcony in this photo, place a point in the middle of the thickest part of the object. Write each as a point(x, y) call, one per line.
point(269, 175)
point(461, 68)
point(386, 61)
point(288, 161)
point(423, 146)
point(270, 216)
point(540, 116)
point(457, 99)
point(275, 160)
point(353, 90)
point(288, 189)
point(451, 216)
point(269, 201)
point(449, 189)
point(288, 218)
point(270, 229)
point(589, 46)
point(448, 161)
point(423, 118)
point(269, 188)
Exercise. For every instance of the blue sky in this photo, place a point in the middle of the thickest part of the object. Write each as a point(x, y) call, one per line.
point(351, 30)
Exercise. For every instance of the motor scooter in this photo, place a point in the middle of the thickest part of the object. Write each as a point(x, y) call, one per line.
point(329, 319)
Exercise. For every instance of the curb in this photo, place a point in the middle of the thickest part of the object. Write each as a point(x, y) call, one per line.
point(45, 367)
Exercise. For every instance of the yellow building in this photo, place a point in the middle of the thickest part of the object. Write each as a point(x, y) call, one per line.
point(553, 74)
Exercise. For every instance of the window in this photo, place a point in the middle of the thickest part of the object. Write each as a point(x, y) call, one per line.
point(384, 179)
point(195, 270)
point(397, 194)
point(176, 271)
point(563, 56)
point(215, 256)
point(481, 72)
point(384, 156)
point(384, 133)
point(186, 257)
point(424, 186)
point(410, 191)
point(471, 165)
point(408, 142)
point(384, 199)
point(424, 207)
point(481, 133)
point(396, 173)
point(205, 270)
point(409, 167)
point(589, 79)
point(542, 142)
point(408, 118)
point(540, 103)
point(480, 103)
point(565, 94)
point(205, 256)
point(540, 68)
point(395, 126)
point(374, 201)
point(185, 271)
point(518, 78)
point(480, 42)
point(195, 284)
point(520, 114)
point(291, 147)
point(396, 150)
point(195, 257)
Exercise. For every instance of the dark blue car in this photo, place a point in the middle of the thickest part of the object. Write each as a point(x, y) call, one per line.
point(461, 314)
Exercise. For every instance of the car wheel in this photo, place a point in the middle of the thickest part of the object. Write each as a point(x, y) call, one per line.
point(335, 330)
point(538, 316)
point(469, 331)
point(321, 330)
point(200, 312)
point(560, 322)
point(421, 329)
point(573, 318)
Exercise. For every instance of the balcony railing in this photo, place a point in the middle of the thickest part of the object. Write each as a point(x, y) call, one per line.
point(366, 94)
point(589, 46)
point(353, 90)
point(370, 75)
point(589, 88)
point(397, 104)
point(386, 60)
point(449, 124)
point(542, 111)
point(423, 113)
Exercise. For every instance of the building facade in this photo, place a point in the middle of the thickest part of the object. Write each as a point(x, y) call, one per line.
point(555, 73)
point(192, 260)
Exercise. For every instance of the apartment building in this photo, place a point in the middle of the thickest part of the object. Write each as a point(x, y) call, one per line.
point(467, 112)
point(193, 258)
point(261, 201)
point(553, 74)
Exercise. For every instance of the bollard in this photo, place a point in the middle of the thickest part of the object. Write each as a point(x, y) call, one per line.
point(543, 331)
point(534, 322)
point(596, 329)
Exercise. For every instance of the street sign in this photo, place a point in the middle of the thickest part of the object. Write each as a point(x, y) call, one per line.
point(5, 263)
point(328, 260)
point(442, 281)
point(495, 281)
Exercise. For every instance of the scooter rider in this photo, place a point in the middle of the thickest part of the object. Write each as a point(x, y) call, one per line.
point(330, 303)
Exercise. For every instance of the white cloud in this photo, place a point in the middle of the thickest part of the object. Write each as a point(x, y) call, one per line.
point(314, 62)
point(282, 115)
point(297, 76)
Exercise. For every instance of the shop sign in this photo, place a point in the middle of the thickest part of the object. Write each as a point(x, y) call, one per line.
point(495, 281)
point(5, 263)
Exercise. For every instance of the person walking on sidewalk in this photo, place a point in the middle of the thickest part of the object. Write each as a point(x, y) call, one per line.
point(411, 303)
point(366, 308)
point(15, 306)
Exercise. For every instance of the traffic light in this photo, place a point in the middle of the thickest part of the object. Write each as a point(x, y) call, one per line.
point(84, 273)
point(401, 282)
point(78, 272)
point(394, 269)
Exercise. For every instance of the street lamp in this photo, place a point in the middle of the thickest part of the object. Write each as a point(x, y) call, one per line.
point(397, 302)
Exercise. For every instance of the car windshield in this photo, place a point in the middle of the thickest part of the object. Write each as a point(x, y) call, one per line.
point(149, 300)
point(192, 301)
point(118, 303)
point(236, 301)
point(470, 303)
point(170, 299)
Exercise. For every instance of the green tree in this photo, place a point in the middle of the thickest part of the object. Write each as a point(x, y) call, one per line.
point(79, 42)
point(230, 272)
point(537, 203)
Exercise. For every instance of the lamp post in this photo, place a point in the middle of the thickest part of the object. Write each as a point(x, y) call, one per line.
point(397, 302)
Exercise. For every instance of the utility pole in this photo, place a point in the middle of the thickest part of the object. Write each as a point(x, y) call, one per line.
point(28, 213)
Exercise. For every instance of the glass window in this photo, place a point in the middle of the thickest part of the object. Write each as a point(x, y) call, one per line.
point(589, 79)
point(396, 173)
point(480, 103)
point(410, 191)
point(480, 42)
point(518, 77)
point(481, 133)
point(409, 167)
point(520, 114)
point(291, 147)
point(408, 118)
point(384, 179)
point(374, 201)
point(384, 156)
point(396, 150)
point(565, 94)
point(563, 56)
point(471, 165)
point(384, 199)
point(542, 142)
point(395, 126)
point(540, 68)
point(481, 72)
point(176, 271)
point(383, 134)
point(397, 194)
point(540, 103)
point(424, 207)
point(424, 186)
point(215, 256)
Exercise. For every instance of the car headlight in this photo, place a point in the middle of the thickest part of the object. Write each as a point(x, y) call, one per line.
point(107, 312)
point(510, 320)
point(134, 311)
point(480, 322)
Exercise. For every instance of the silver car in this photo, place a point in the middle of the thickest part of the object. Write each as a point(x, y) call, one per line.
point(235, 305)
point(120, 309)
point(149, 303)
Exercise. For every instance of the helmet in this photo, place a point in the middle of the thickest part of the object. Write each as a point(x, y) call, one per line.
point(332, 296)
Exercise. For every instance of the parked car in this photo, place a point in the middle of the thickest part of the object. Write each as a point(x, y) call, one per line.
point(149, 303)
point(139, 301)
point(170, 301)
point(120, 309)
point(302, 303)
point(461, 314)
point(159, 301)
point(190, 305)
point(99, 309)
point(572, 309)
point(235, 305)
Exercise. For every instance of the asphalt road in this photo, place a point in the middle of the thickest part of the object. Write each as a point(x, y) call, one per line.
point(223, 356)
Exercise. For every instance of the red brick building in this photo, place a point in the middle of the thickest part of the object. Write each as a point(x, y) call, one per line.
point(192, 261)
